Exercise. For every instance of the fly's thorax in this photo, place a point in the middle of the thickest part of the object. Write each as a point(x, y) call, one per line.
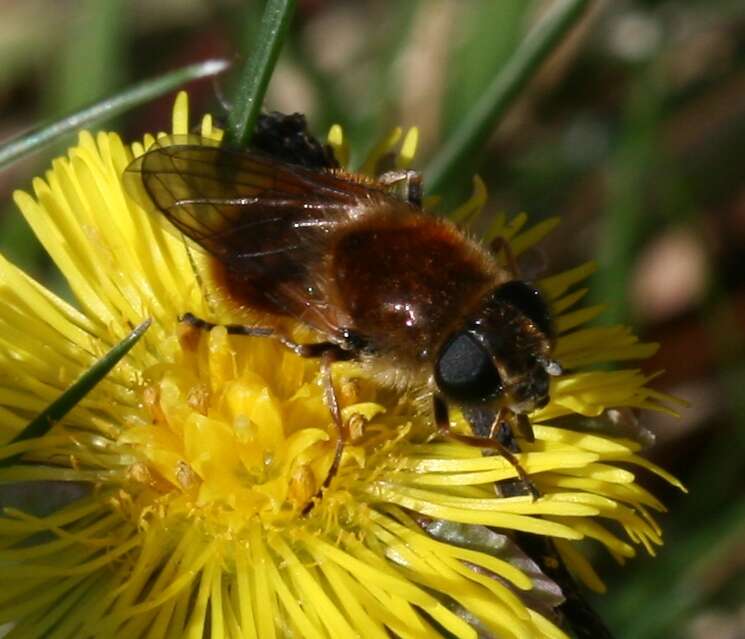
point(404, 279)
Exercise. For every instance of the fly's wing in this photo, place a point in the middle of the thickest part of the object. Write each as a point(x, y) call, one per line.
point(267, 223)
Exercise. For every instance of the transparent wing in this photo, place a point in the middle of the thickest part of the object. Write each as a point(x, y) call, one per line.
point(267, 222)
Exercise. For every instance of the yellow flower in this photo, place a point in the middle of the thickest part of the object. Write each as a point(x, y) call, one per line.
point(200, 450)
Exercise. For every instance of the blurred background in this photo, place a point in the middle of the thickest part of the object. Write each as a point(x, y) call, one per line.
point(634, 132)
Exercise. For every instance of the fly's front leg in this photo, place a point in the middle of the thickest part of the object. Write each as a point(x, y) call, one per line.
point(504, 425)
point(524, 427)
point(503, 430)
point(442, 422)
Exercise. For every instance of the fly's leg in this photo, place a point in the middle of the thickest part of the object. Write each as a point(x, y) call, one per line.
point(328, 352)
point(503, 428)
point(314, 349)
point(504, 424)
point(501, 431)
point(204, 325)
point(332, 401)
point(442, 422)
point(524, 427)
point(404, 184)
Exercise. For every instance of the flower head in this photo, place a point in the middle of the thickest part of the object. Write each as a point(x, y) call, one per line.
point(201, 450)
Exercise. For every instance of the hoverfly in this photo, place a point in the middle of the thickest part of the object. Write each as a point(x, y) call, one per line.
point(407, 294)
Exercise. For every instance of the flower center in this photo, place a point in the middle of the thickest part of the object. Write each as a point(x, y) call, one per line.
point(237, 428)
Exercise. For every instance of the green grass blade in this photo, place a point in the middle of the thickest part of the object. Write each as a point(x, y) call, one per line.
point(258, 71)
point(487, 35)
point(110, 107)
point(91, 60)
point(474, 130)
point(623, 230)
point(43, 422)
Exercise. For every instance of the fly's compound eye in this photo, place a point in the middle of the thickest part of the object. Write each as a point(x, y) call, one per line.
point(465, 371)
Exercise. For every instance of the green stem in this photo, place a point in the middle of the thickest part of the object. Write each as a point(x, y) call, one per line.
point(623, 222)
point(44, 421)
point(475, 128)
point(258, 71)
point(138, 94)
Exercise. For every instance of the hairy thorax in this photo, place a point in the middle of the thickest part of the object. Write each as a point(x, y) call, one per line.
point(406, 283)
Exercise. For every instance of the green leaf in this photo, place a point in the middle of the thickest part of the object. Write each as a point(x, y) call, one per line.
point(258, 71)
point(43, 423)
point(138, 94)
point(459, 151)
point(91, 60)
